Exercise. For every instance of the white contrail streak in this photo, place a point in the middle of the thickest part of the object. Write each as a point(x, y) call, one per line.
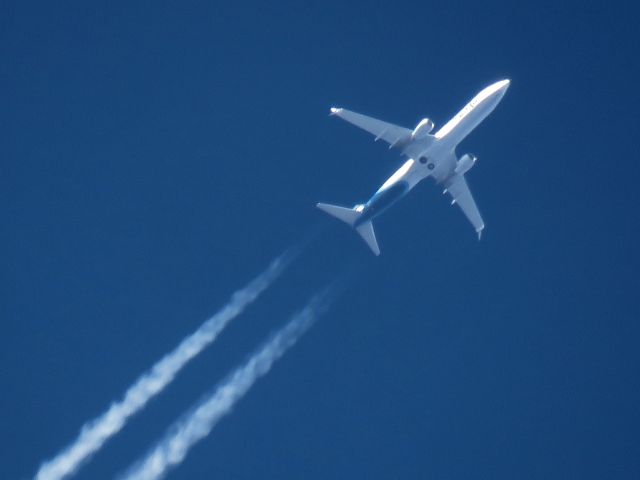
point(97, 431)
point(200, 420)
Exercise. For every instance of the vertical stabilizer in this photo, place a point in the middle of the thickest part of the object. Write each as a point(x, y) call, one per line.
point(350, 217)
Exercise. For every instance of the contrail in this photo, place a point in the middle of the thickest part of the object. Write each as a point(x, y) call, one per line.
point(97, 431)
point(199, 421)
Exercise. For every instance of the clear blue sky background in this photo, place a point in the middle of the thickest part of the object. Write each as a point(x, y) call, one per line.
point(156, 156)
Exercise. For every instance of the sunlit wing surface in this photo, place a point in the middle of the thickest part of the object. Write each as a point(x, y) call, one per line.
point(390, 133)
point(459, 190)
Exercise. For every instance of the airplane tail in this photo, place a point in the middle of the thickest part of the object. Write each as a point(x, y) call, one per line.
point(350, 217)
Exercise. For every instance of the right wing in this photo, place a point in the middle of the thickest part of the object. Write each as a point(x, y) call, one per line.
point(390, 133)
point(458, 189)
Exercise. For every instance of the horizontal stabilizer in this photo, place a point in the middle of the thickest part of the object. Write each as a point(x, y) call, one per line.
point(347, 215)
point(350, 217)
point(368, 235)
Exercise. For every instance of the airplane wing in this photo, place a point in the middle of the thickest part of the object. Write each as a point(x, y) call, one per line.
point(459, 190)
point(390, 133)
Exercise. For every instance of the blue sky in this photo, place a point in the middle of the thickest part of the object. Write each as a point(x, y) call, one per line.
point(156, 158)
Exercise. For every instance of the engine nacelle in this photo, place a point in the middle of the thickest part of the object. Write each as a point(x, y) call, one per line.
point(422, 129)
point(465, 163)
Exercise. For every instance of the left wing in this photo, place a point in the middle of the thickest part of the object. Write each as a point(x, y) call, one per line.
point(457, 187)
point(390, 133)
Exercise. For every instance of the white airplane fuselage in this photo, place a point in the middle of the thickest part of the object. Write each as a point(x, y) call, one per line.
point(432, 156)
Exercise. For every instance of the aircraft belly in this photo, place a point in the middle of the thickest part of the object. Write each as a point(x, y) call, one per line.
point(437, 163)
point(470, 121)
point(382, 200)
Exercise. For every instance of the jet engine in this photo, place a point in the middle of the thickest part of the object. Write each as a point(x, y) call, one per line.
point(422, 129)
point(465, 163)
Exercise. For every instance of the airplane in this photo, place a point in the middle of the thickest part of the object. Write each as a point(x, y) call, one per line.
point(428, 156)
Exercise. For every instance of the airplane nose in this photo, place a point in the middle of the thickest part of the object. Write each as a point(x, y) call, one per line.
point(501, 88)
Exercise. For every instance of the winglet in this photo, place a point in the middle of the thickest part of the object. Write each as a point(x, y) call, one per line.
point(479, 232)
